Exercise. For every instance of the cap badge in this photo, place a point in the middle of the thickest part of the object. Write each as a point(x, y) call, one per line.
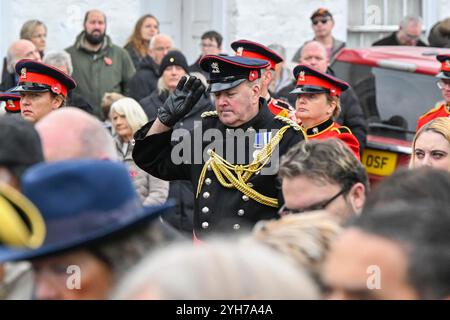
point(301, 76)
point(215, 67)
point(171, 60)
point(23, 73)
point(10, 104)
point(315, 130)
point(239, 51)
point(253, 75)
point(447, 63)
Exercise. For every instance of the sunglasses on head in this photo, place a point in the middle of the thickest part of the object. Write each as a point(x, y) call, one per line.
point(322, 20)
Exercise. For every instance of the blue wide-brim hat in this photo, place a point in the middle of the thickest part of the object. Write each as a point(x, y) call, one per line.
point(81, 201)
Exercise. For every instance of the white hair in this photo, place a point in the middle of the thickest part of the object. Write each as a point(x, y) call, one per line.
point(159, 36)
point(58, 59)
point(132, 111)
point(217, 270)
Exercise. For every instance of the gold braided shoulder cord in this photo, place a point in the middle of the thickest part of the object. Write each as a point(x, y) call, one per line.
point(236, 176)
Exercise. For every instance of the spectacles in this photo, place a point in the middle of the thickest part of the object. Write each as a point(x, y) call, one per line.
point(442, 84)
point(323, 21)
point(317, 206)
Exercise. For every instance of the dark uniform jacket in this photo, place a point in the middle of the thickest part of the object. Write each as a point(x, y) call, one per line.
point(145, 81)
point(392, 40)
point(217, 208)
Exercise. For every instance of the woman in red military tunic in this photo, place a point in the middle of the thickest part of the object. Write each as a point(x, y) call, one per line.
point(317, 103)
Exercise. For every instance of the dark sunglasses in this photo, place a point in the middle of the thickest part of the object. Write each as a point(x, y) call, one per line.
point(323, 21)
point(317, 206)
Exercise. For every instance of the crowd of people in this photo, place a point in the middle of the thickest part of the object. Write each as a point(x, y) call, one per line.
point(119, 165)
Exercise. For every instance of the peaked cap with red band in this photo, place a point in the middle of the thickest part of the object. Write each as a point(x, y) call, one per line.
point(38, 77)
point(310, 80)
point(250, 49)
point(444, 59)
point(12, 102)
point(226, 72)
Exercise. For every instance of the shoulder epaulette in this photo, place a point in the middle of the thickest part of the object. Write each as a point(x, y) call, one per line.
point(342, 129)
point(209, 114)
point(436, 108)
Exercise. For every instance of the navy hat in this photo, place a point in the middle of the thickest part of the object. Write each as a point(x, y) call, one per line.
point(38, 77)
point(173, 58)
point(20, 145)
point(12, 101)
point(81, 202)
point(310, 80)
point(250, 49)
point(444, 59)
point(226, 72)
point(321, 12)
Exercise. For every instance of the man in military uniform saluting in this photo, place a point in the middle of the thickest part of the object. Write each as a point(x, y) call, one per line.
point(234, 186)
point(442, 108)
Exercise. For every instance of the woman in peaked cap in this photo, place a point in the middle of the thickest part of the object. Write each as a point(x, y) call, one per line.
point(318, 104)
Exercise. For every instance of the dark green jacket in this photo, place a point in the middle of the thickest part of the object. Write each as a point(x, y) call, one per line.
point(107, 70)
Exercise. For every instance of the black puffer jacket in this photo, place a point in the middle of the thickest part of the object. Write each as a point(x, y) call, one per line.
point(145, 80)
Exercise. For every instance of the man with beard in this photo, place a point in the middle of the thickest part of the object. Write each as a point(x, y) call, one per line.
point(99, 65)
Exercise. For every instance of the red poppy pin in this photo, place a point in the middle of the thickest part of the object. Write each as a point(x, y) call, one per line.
point(108, 61)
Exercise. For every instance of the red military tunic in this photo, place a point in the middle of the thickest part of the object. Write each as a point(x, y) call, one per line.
point(441, 109)
point(279, 107)
point(330, 129)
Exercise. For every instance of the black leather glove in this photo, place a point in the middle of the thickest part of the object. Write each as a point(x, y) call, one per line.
point(181, 101)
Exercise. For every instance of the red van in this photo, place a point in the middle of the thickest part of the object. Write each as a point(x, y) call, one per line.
point(395, 85)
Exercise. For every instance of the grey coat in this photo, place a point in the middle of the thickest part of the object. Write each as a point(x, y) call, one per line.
point(151, 190)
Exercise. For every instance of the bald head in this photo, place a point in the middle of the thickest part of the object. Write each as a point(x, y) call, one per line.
point(21, 49)
point(70, 133)
point(314, 54)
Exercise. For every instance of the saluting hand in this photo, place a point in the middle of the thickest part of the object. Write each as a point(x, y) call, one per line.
point(181, 101)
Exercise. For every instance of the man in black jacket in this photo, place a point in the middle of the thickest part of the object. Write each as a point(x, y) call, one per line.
point(408, 34)
point(235, 184)
point(146, 78)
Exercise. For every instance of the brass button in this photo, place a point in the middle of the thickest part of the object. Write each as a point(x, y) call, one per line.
point(241, 212)
point(245, 198)
point(205, 225)
point(206, 195)
point(208, 181)
point(205, 210)
point(209, 168)
point(236, 226)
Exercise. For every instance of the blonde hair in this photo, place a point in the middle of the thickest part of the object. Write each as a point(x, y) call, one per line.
point(306, 237)
point(28, 28)
point(217, 270)
point(132, 111)
point(337, 100)
point(439, 125)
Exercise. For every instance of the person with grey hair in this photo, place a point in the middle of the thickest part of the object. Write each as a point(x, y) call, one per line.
point(145, 80)
point(127, 117)
point(36, 32)
point(394, 252)
point(18, 50)
point(323, 175)
point(408, 34)
point(63, 61)
point(283, 76)
point(70, 133)
point(219, 270)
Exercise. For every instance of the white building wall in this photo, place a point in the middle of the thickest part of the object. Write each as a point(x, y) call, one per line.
point(286, 22)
